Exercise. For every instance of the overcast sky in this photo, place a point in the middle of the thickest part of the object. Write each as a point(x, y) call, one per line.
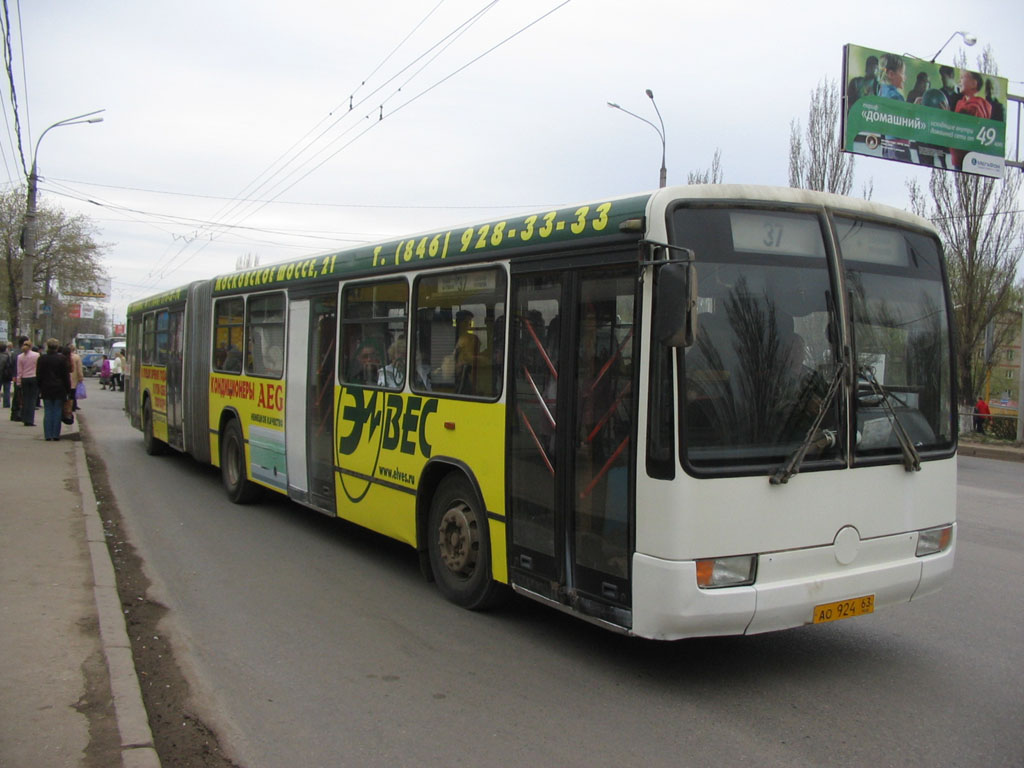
point(228, 130)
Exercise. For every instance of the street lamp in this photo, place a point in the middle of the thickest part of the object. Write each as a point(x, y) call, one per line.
point(969, 39)
point(660, 131)
point(28, 237)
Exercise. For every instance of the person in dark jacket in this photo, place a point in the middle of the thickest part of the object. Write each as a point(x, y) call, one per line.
point(14, 351)
point(6, 373)
point(53, 372)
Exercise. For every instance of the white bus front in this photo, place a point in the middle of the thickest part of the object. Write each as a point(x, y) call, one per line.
point(806, 471)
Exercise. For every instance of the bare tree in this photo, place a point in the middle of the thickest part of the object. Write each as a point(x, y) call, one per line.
point(983, 233)
point(67, 254)
point(248, 261)
point(712, 175)
point(816, 157)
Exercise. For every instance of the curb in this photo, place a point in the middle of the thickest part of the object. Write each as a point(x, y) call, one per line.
point(990, 452)
point(137, 748)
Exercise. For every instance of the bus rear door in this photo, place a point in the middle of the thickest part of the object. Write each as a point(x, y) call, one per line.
point(309, 400)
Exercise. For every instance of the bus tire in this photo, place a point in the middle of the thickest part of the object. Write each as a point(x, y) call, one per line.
point(153, 446)
point(459, 546)
point(239, 488)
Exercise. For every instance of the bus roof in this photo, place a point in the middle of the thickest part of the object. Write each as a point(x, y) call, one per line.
point(585, 223)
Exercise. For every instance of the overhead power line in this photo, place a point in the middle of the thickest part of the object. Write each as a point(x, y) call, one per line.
point(393, 112)
point(9, 65)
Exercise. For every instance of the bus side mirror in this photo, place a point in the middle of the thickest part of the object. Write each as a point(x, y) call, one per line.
point(676, 322)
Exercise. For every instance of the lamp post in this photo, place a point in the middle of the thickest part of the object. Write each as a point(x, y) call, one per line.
point(660, 131)
point(28, 237)
point(969, 39)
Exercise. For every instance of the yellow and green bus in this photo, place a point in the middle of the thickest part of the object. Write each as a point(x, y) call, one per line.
point(703, 410)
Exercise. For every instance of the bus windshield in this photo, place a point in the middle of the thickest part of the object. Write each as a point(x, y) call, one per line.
point(88, 342)
point(768, 341)
point(762, 360)
point(900, 336)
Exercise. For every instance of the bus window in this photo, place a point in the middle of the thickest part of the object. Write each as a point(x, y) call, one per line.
point(460, 320)
point(163, 337)
point(227, 335)
point(373, 329)
point(264, 335)
point(149, 338)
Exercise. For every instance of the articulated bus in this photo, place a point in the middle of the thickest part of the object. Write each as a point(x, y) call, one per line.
point(706, 410)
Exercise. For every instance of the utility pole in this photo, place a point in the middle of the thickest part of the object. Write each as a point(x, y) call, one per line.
point(28, 235)
point(663, 176)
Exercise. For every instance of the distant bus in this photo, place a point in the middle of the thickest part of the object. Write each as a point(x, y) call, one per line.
point(604, 407)
point(90, 342)
point(91, 347)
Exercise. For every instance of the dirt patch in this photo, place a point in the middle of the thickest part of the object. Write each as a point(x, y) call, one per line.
point(181, 738)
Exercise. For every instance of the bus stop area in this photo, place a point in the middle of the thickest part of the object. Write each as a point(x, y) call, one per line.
point(71, 694)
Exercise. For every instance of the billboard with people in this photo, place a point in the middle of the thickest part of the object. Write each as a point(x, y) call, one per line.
point(899, 107)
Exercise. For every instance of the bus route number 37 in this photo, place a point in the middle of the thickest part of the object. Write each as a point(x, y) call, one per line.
point(844, 609)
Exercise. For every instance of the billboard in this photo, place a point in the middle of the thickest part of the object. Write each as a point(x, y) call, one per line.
point(898, 107)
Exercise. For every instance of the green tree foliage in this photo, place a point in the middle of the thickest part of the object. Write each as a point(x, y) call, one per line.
point(67, 254)
point(816, 157)
point(983, 237)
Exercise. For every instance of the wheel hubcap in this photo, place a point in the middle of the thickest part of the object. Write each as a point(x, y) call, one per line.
point(459, 540)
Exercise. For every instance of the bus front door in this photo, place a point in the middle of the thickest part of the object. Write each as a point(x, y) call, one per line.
point(309, 401)
point(571, 414)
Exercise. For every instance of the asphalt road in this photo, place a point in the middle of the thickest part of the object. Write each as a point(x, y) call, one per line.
point(308, 642)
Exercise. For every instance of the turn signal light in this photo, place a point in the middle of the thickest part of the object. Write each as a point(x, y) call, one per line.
point(717, 572)
point(934, 540)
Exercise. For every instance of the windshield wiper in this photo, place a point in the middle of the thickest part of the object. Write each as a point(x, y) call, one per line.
point(820, 438)
point(911, 458)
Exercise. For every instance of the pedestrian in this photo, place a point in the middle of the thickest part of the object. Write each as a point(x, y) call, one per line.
point(54, 374)
point(105, 373)
point(123, 365)
point(15, 351)
point(115, 373)
point(77, 375)
point(126, 368)
point(982, 414)
point(6, 373)
point(26, 379)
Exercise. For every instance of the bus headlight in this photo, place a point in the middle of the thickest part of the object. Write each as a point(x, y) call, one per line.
point(934, 540)
point(718, 572)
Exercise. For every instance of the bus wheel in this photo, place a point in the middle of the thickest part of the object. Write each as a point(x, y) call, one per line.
point(153, 446)
point(459, 546)
point(232, 466)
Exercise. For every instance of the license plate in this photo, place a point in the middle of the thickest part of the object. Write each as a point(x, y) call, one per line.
point(844, 609)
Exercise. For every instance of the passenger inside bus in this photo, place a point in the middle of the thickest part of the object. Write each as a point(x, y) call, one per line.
point(233, 359)
point(392, 375)
point(467, 353)
point(365, 366)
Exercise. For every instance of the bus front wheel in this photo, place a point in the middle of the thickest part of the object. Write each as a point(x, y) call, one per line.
point(459, 546)
point(232, 466)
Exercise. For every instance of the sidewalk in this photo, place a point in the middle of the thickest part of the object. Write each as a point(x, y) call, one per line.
point(70, 693)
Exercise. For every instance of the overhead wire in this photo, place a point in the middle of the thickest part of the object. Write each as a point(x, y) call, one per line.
point(392, 113)
point(448, 40)
point(237, 208)
point(296, 202)
point(24, 76)
point(134, 213)
point(9, 66)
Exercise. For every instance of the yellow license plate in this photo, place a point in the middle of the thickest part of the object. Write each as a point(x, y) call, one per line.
point(844, 609)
